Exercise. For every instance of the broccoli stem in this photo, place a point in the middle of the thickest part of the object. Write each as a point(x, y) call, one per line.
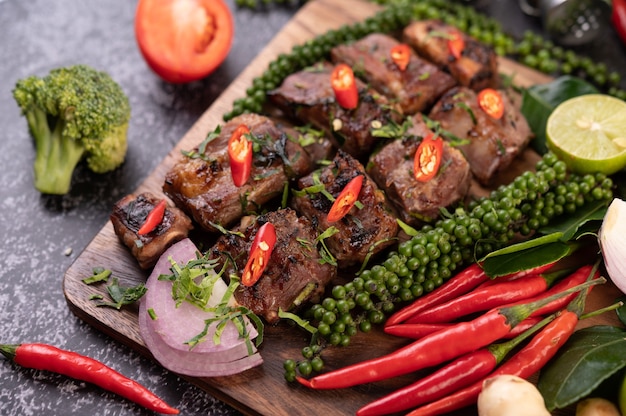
point(57, 156)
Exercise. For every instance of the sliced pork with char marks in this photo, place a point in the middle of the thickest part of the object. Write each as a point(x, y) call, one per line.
point(129, 214)
point(368, 229)
point(308, 96)
point(476, 67)
point(415, 89)
point(295, 273)
point(492, 143)
point(415, 201)
point(201, 184)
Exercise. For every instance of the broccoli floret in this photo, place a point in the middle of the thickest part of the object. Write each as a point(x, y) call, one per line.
point(73, 113)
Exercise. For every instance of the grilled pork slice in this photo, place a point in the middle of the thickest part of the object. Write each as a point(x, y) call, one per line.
point(417, 202)
point(308, 96)
point(492, 143)
point(201, 184)
point(415, 89)
point(295, 273)
point(476, 67)
point(368, 229)
point(129, 214)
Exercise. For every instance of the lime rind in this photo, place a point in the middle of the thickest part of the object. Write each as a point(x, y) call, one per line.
point(589, 133)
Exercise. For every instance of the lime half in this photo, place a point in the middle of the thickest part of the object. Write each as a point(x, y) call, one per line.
point(589, 133)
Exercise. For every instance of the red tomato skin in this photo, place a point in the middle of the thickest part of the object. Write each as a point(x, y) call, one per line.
point(177, 63)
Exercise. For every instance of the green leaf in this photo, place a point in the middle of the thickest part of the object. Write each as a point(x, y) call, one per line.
point(589, 357)
point(538, 101)
point(585, 220)
point(527, 255)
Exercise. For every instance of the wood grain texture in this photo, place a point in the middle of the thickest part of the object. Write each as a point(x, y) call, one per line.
point(263, 391)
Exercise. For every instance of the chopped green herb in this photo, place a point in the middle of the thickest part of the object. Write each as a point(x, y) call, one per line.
point(122, 295)
point(301, 322)
point(99, 275)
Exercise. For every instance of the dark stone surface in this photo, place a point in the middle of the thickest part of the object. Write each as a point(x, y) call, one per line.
point(42, 235)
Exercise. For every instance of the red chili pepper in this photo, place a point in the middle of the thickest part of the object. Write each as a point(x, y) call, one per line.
point(240, 155)
point(49, 358)
point(417, 331)
point(579, 276)
point(346, 199)
point(460, 284)
point(456, 44)
point(482, 299)
point(618, 18)
point(491, 102)
point(530, 359)
point(260, 253)
point(428, 158)
point(516, 275)
point(473, 276)
point(436, 348)
point(401, 55)
point(154, 218)
point(459, 373)
point(344, 86)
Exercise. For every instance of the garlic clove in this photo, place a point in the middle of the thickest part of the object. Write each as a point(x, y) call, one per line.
point(612, 239)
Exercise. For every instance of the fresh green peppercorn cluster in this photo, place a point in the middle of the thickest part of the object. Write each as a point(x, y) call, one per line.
point(428, 259)
point(541, 54)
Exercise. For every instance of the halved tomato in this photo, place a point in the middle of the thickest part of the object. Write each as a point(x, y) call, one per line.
point(183, 40)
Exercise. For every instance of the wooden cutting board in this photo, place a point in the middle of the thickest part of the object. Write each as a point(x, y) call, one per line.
point(263, 391)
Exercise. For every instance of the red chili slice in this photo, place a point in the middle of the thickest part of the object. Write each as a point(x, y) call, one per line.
point(428, 158)
point(346, 199)
point(456, 44)
point(154, 218)
point(344, 86)
point(260, 253)
point(240, 155)
point(401, 55)
point(491, 102)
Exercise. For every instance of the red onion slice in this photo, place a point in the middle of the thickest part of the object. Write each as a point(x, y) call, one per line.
point(165, 336)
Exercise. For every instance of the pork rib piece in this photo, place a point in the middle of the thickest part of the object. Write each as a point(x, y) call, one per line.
point(415, 89)
point(476, 68)
point(364, 230)
point(308, 96)
point(492, 143)
point(419, 202)
point(200, 182)
point(294, 274)
point(129, 214)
